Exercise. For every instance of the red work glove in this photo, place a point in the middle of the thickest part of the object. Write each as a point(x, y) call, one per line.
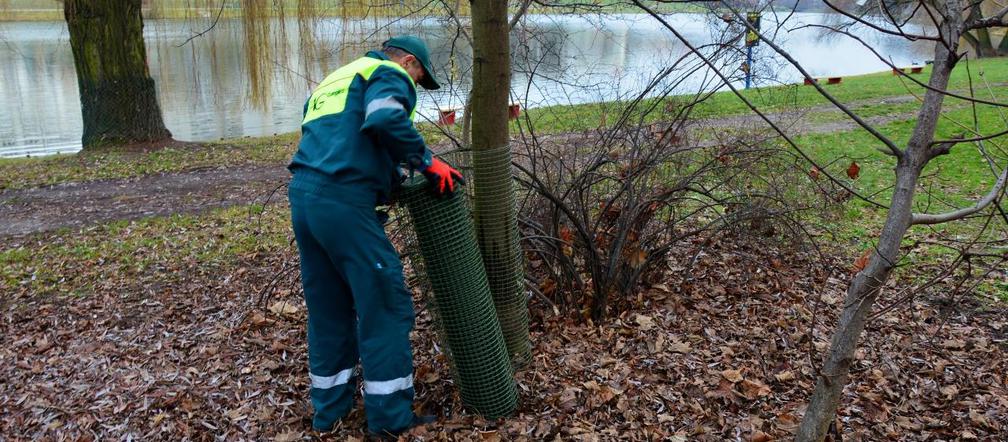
point(442, 177)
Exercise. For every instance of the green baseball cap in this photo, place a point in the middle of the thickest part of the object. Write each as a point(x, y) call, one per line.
point(416, 46)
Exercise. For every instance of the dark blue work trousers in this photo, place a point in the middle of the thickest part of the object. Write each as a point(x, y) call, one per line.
point(358, 305)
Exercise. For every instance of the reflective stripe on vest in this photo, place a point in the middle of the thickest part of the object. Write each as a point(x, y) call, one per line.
point(331, 96)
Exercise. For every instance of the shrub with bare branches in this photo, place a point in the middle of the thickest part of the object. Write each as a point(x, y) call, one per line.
point(604, 208)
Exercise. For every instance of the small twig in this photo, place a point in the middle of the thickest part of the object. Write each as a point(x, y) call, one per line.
point(212, 25)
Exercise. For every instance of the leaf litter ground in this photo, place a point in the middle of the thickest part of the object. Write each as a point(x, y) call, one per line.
point(178, 344)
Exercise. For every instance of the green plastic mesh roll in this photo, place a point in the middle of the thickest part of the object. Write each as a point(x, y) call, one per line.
point(463, 306)
point(497, 234)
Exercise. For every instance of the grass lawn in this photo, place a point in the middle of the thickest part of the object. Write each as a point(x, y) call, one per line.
point(993, 71)
point(69, 263)
point(16, 173)
point(951, 181)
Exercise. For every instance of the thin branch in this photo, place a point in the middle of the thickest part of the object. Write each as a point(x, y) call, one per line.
point(994, 194)
point(953, 141)
point(458, 23)
point(212, 25)
point(911, 37)
point(518, 15)
point(995, 20)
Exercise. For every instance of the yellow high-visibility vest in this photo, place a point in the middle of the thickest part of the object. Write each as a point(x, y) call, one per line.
point(330, 96)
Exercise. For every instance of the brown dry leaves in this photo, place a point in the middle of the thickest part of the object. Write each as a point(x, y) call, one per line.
point(723, 354)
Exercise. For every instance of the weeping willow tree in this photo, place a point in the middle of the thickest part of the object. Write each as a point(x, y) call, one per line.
point(263, 26)
point(362, 25)
point(118, 96)
point(312, 49)
point(118, 101)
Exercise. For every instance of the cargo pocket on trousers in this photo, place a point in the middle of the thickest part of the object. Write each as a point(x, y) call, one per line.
point(397, 298)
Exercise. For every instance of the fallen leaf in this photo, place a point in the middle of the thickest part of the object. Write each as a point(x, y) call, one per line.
point(754, 389)
point(606, 394)
point(979, 419)
point(566, 235)
point(949, 391)
point(283, 308)
point(289, 436)
point(853, 170)
point(644, 322)
point(257, 319)
point(637, 258)
point(954, 344)
point(862, 262)
point(42, 345)
point(678, 346)
point(732, 375)
point(158, 418)
point(785, 376)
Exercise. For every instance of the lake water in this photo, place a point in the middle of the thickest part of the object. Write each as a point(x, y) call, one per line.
point(203, 92)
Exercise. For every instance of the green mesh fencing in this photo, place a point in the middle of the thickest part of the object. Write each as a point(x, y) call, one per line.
point(463, 307)
point(497, 233)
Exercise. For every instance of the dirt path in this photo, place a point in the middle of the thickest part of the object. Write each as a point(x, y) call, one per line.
point(26, 211)
point(796, 122)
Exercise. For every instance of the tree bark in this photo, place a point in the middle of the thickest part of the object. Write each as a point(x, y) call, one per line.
point(494, 198)
point(980, 39)
point(118, 100)
point(864, 289)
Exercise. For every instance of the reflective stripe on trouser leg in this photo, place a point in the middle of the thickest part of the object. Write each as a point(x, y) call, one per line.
point(385, 318)
point(332, 341)
point(327, 382)
point(388, 387)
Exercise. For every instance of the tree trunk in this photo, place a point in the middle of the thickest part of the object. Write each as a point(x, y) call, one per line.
point(494, 205)
point(1003, 46)
point(118, 101)
point(864, 289)
point(980, 39)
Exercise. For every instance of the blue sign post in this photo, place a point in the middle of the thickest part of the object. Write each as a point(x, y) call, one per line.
point(751, 40)
point(748, 66)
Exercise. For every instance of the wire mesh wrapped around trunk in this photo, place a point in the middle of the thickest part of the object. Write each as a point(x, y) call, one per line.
point(462, 304)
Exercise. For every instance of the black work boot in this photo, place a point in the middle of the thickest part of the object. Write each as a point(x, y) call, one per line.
point(418, 421)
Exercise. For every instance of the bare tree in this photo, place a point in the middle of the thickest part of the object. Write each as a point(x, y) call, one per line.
point(951, 19)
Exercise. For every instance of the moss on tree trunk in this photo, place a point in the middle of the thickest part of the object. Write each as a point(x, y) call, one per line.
point(118, 101)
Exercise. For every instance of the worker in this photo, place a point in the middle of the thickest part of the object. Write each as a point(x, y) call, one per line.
point(357, 141)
